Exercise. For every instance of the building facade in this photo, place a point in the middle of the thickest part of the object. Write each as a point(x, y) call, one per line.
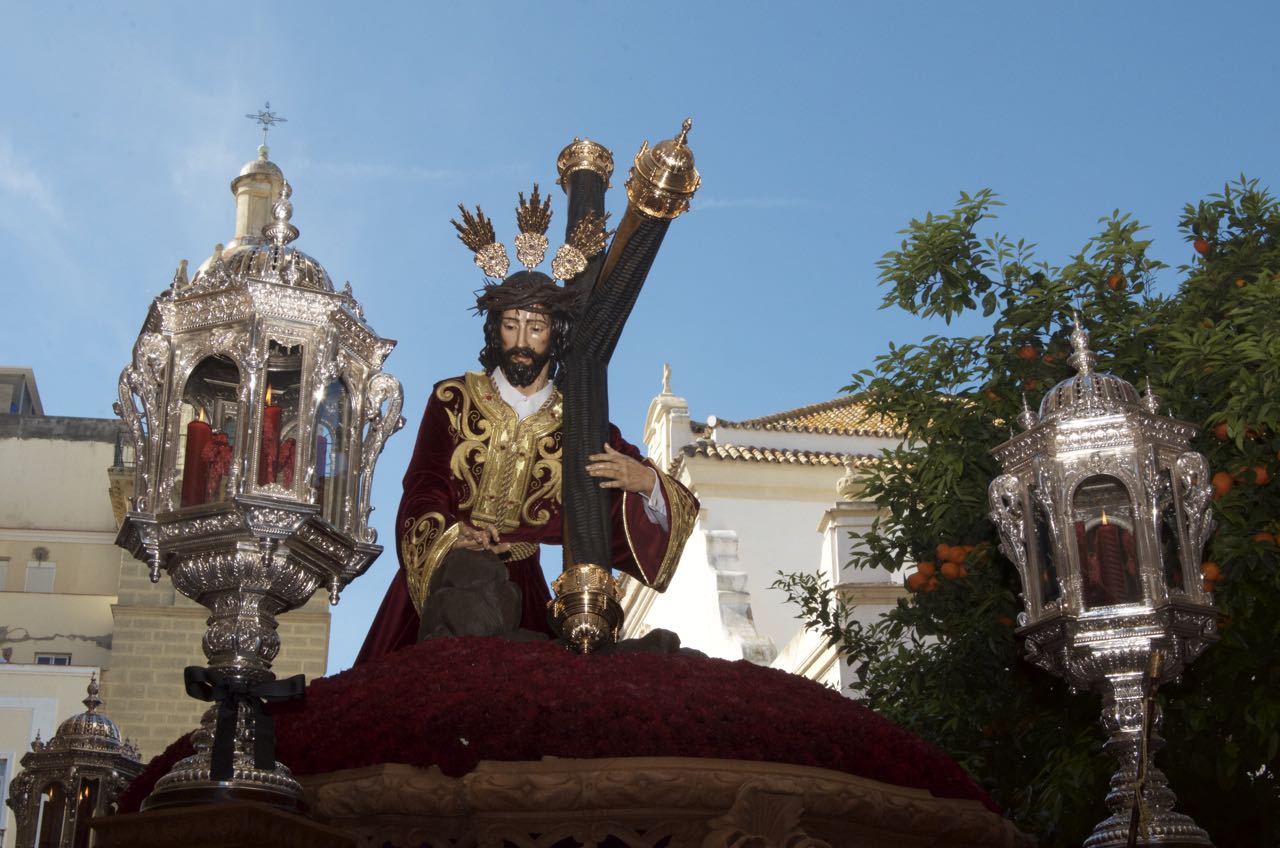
point(777, 494)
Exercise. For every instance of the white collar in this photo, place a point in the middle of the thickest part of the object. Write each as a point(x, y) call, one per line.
point(524, 405)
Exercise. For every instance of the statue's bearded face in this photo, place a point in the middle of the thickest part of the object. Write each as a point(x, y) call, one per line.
point(526, 345)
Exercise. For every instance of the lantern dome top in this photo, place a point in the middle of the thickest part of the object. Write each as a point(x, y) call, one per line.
point(269, 256)
point(1087, 393)
point(89, 730)
point(277, 264)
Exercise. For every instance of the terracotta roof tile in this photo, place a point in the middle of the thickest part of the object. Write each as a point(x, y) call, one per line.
point(844, 416)
point(748, 453)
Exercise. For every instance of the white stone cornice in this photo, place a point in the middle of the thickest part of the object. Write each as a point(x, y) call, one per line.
point(73, 537)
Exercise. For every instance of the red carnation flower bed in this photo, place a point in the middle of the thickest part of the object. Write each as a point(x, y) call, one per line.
point(454, 702)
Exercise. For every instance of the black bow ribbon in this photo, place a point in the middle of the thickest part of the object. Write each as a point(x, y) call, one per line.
point(229, 693)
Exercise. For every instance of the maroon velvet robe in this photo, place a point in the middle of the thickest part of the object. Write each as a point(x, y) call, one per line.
point(467, 425)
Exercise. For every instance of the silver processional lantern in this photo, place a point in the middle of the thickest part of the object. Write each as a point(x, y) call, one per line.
point(258, 407)
point(1105, 513)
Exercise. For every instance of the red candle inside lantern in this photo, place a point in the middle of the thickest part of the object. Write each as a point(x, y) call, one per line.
point(194, 470)
point(270, 441)
point(1112, 559)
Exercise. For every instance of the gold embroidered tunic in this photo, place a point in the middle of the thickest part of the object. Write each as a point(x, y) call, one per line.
point(475, 462)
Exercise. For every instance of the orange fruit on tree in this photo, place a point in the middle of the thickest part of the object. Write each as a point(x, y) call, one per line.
point(1258, 473)
point(931, 585)
point(1028, 352)
point(1210, 571)
point(927, 568)
point(991, 395)
point(942, 552)
point(1222, 483)
point(1240, 283)
point(1207, 585)
point(1201, 245)
point(1116, 281)
point(1220, 431)
point(916, 581)
point(1265, 538)
point(952, 571)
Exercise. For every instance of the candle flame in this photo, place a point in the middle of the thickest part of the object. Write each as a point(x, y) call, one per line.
point(268, 394)
point(201, 415)
point(1104, 518)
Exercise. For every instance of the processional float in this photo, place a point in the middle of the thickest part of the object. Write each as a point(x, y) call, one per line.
point(257, 408)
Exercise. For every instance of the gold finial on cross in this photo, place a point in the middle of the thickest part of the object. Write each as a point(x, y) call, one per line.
point(267, 118)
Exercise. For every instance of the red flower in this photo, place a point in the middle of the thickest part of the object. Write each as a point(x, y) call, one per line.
point(455, 702)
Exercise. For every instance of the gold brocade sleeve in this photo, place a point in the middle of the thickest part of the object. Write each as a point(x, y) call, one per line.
point(424, 547)
point(682, 513)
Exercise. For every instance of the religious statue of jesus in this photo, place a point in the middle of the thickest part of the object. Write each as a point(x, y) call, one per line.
point(495, 471)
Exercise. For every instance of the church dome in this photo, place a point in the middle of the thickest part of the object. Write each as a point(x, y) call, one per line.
point(262, 165)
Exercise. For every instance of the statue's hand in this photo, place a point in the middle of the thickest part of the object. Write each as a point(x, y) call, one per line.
point(622, 472)
point(479, 539)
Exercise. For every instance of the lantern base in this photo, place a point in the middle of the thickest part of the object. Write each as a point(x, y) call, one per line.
point(586, 612)
point(189, 784)
point(1166, 829)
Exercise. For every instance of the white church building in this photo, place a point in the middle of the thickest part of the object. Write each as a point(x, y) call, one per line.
point(777, 495)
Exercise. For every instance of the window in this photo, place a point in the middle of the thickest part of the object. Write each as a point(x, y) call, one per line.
point(4, 789)
point(40, 576)
point(4, 571)
point(53, 659)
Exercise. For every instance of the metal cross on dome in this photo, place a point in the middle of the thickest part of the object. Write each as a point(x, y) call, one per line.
point(267, 118)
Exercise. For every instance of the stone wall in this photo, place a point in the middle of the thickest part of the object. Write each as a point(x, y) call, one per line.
point(157, 633)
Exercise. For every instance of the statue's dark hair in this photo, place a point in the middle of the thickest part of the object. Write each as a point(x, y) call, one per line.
point(491, 353)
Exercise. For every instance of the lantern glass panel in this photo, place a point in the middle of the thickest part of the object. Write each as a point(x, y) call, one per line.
point(85, 804)
point(1050, 588)
point(333, 421)
point(278, 449)
point(207, 434)
point(1170, 550)
point(1103, 523)
point(53, 810)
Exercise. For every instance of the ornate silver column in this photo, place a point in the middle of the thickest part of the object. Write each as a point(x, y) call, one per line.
point(1105, 513)
point(258, 408)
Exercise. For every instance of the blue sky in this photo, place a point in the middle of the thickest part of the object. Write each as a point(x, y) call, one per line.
point(820, 130)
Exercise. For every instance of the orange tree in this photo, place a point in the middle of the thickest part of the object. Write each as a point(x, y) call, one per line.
point(946, 662)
